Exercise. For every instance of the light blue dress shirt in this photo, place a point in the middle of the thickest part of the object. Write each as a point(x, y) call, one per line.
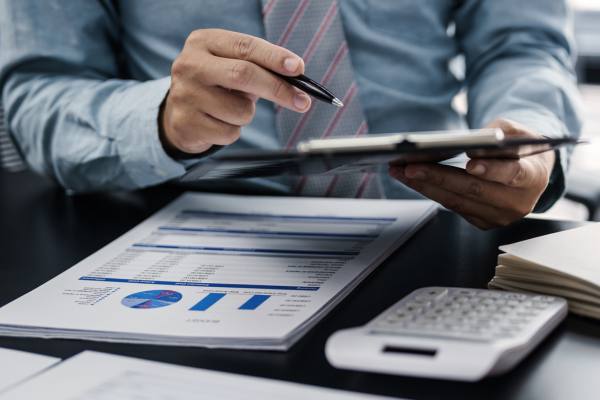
point(82, 81)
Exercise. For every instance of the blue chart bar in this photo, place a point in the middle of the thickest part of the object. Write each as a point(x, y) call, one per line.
point(254, 301)
point(209, 300)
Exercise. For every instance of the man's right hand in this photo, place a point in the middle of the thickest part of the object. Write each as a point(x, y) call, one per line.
point(215, 83)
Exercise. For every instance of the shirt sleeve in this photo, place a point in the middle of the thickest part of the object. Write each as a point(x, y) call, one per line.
point(67, 104)
point(520, 66)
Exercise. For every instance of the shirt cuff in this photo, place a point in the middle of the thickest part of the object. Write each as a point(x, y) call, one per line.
point(549, 126)
point(135, 120)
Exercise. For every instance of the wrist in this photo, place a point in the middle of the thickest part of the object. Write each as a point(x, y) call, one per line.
point(173, 151)
point(555, 186)
point(167, 146)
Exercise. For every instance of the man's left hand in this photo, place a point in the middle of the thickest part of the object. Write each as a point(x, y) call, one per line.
point(490, 192)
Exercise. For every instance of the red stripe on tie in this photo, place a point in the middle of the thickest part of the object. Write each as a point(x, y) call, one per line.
point(362, 129)
point(328, 75)
point(334, 64)
point(300, 185)
point(331, 185)
point(293, 22)
point(268, 7)
point(363, 184)
point(320, 32)
point(347, 98)
point(298, 129)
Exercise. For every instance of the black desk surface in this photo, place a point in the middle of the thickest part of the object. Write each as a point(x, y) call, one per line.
point(44, 232)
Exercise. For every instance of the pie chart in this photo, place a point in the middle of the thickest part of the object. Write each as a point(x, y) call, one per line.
point(151, 299)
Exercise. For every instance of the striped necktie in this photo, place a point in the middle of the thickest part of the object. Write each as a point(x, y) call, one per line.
point(9, 156)
point(313, 30)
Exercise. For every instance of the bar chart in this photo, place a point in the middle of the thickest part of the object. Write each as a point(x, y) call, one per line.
point(209, 300)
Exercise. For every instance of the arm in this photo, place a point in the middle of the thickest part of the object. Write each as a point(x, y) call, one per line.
point(520, 67)
point(66, 107)
point(519, 77)
point(77, 119)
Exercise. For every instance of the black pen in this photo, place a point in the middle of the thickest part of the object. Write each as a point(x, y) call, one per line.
point(312, 88)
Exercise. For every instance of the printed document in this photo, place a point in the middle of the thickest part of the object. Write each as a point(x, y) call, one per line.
point(220, 271)
point(17, 366)
point(97, 376)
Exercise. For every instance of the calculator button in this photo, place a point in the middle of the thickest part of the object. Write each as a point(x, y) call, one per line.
point(462, 314)
point(432, 294)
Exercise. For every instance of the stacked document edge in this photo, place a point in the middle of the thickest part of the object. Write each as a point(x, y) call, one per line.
point(519, 275)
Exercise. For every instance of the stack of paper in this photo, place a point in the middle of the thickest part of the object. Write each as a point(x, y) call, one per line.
point(561, 264)
point(220, 271)
point(96, 376)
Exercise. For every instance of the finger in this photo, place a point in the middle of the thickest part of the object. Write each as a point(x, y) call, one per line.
point(511, 128)
point(232, 107)
point(195, 132)
point(460, 204)
point(252, 97)
point(513, 173)
point(398, 173)
point(250, 78)
point(461, 183)
point(240, 46)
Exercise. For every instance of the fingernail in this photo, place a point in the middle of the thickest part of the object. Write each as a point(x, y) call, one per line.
point(415, 174)
point(291, 64)
point(301, 101)
point(478, 169)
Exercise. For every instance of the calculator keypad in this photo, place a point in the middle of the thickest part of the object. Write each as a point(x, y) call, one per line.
point(465, 314)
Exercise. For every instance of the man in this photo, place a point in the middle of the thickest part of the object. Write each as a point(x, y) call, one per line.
point(125, 94)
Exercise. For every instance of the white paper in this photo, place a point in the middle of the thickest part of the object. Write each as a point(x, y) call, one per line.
point(97, 376)
point(574, 252)
point(17, 366)
point(220, 271)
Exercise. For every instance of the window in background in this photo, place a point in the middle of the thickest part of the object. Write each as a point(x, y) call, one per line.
point(583, 184)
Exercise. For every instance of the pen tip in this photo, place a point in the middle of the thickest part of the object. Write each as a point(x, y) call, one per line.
point(337, 102)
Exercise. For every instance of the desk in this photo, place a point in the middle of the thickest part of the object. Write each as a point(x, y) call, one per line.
point(44, 232)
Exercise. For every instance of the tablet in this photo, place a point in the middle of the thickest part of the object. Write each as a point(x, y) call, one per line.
point(342, 155)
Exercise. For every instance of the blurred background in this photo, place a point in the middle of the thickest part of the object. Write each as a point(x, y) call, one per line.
point(583, 192)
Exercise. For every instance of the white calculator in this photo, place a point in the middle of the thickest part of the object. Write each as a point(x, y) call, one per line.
point(449, 333)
